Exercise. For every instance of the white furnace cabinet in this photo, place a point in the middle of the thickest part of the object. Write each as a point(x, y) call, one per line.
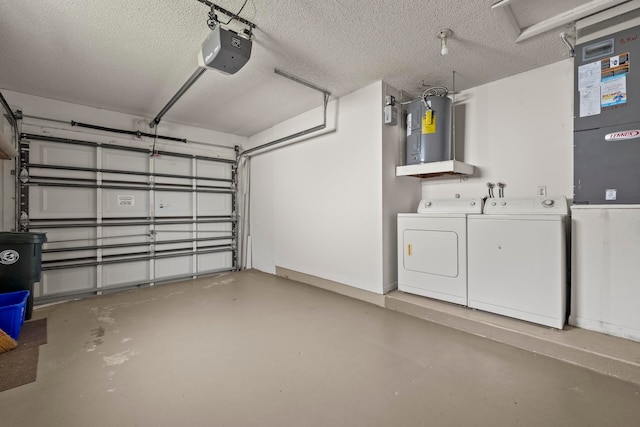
point(606, 269)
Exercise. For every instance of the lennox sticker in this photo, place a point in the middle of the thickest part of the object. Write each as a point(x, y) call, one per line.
point(9, 257)
point(623, 135)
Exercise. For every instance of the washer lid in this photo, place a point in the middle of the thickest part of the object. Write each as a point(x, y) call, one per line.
point(523, 206)
point(473, 205)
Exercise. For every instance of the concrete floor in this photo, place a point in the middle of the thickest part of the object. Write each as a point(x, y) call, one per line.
point(248, 349)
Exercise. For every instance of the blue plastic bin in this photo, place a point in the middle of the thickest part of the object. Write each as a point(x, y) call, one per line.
point(13, 306)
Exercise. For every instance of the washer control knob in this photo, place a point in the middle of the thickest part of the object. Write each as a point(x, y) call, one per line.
point(427, 204)
point(473, 203)
point(547, 203)
point(493, 203)
point(504, 203)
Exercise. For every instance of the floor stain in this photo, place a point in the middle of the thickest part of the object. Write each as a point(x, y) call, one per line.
point(218, 282)
point(173, 294)
point(119, 358)
point(98, 332)
point(105, 314)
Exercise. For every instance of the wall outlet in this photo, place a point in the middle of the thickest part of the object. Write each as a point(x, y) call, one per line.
point(542, 191)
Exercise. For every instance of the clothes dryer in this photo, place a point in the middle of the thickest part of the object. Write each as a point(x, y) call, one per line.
point(432, 249)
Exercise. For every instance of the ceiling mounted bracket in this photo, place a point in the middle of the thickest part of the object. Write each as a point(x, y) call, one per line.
point(230, 14)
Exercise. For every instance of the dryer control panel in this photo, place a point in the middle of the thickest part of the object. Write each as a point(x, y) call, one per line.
point(539, 205)
point(451, 206)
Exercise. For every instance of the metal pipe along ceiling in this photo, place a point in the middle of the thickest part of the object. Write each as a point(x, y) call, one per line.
point(325, 98)
point(244, 208)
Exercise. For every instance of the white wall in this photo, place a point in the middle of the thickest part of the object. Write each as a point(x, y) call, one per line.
point(43, 107)
point(517, 130)
point(316, 204)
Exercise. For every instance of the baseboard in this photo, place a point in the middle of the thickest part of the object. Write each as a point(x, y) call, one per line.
point(605, 328)
point(329, 285)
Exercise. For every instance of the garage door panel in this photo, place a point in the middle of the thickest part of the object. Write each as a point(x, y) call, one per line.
point(66, 174)
point(163, 180)
point(83, 217)
point(125, 179)
point(213, 169)
point(125, 203)
point(61, 203)
point(208, 231)
point(171, 203)
point(214, 204)
point(206, 243)
point(173, 246)
point(62, 256)
point(130, 272)
point(62, 155)
point(125, 160)
point(132, 250)
point(214, 261)
point(72, 279)
point(214, 228)
point(173, 165)
point(168, 267)
point(125, 234)
point(67, 237)
point(173, 232)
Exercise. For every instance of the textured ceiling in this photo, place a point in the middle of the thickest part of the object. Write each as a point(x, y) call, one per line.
point(133, 55)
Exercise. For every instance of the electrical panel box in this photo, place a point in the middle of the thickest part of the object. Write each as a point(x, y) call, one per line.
point(607, 119)
point(429, 130)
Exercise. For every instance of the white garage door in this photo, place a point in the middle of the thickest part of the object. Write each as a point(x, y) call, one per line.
point(117, 216)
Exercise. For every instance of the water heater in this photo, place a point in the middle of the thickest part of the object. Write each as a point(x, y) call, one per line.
point(429, 128)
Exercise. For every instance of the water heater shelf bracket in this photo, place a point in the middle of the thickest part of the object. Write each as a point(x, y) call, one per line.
point(434, 169)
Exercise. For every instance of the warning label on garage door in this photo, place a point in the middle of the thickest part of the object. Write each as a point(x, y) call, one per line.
point(126, 200)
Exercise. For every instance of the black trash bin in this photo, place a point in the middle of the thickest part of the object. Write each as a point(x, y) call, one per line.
point(21, 263)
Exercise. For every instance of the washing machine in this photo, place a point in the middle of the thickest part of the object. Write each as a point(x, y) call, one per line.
point(518, 258)
point(432, 249)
